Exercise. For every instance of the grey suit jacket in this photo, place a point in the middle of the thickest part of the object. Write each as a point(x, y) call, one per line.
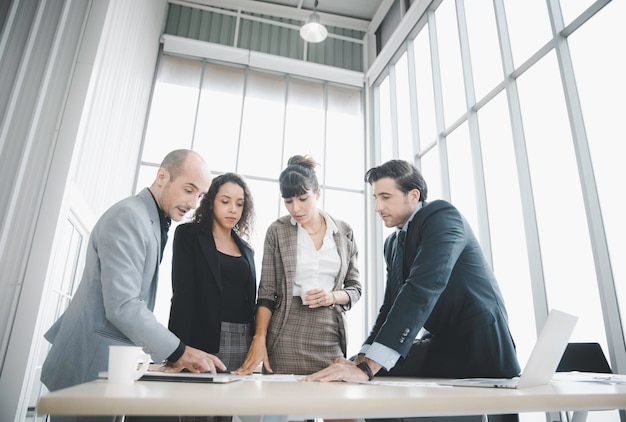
point(114, 301)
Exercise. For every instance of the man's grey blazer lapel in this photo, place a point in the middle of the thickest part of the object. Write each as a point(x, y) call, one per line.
point(153, 212)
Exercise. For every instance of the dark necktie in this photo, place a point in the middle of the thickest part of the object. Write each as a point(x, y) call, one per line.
point(163, 241)
point(397, 276)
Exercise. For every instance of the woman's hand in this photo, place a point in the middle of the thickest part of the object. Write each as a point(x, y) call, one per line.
point(318, 298)
point(256, 354)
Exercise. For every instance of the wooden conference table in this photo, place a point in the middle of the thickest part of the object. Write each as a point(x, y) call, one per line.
point(285, 397)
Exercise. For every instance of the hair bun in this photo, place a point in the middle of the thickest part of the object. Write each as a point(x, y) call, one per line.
point(302, 160)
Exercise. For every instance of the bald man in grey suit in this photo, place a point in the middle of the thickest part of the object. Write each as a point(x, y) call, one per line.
point(114, 302)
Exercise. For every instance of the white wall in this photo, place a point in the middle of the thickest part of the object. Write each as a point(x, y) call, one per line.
point(79, 88)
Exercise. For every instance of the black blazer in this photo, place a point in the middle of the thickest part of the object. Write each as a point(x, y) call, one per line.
point(196, 309)
point(451, 291)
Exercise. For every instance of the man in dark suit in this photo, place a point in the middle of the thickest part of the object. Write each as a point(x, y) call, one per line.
point(443, 284)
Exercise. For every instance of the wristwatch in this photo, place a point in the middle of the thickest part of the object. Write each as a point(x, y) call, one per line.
point(363, 366)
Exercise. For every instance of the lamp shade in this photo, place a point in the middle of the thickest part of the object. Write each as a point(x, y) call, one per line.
point(313, 30)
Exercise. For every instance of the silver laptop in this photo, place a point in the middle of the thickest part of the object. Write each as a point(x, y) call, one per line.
point(219, 378)
point(543, 360)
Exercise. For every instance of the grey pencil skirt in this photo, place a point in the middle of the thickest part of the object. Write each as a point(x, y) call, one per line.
point(309, 341)
point(235, 340)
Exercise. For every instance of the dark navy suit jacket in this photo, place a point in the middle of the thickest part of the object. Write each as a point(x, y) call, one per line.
point(450, 290)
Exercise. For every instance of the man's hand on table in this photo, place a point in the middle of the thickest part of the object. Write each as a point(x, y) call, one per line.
point(343, 370)
point(195, 360)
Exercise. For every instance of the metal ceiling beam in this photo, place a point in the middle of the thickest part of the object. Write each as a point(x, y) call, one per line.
point(380, 15)
point(285, 12)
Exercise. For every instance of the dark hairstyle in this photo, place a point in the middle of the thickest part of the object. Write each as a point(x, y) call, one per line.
point(299, 177)
point(406, 175)
point(204, 213)
point(174, 162)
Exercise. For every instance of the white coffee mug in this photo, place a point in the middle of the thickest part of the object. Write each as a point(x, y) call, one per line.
point(123, 364)
point(305, 287)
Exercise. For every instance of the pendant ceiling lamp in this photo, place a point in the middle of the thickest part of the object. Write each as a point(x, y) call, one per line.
point(313, 31)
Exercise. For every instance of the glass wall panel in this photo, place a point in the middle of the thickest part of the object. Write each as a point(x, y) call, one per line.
point(262, 125)
point(146, 176)
point(173, 112)
point(508, 241)
point(565, 245)
point(304, 122)
point(219, 114)
point(450, 60)
point(268, 207)
point(279, 116)
point(427, 125)
point(570, 9)
point(484, 48)
point(462, 187)
point(403, 101)
point(604, 108)
point(430, 166)
point(384, 123)
point(345, 146)
point(522, 16)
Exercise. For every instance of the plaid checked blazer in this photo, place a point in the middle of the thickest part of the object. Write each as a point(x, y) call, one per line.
point(279, 270)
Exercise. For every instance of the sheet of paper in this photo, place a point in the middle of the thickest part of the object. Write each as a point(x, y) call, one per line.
point(590, 377)
point(273, 377)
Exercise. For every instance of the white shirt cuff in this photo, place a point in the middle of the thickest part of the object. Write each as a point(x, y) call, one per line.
point(383, 355)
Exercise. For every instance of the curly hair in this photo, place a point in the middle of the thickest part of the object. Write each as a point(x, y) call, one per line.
point(204, 213)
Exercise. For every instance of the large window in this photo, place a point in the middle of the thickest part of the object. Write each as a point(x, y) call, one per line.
point(250, 122)
point(518, 107)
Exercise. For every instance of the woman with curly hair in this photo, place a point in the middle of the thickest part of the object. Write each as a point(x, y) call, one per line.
point(213, 273)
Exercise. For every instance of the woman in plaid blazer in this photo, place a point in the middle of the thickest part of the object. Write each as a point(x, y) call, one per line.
point(309, 278)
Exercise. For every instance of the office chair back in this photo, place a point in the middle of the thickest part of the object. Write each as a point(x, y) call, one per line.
point(584, 357)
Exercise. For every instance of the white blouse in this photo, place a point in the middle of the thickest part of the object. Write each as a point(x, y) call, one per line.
point(316, 268)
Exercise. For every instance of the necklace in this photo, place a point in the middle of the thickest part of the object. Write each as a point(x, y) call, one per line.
point(313, 233)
